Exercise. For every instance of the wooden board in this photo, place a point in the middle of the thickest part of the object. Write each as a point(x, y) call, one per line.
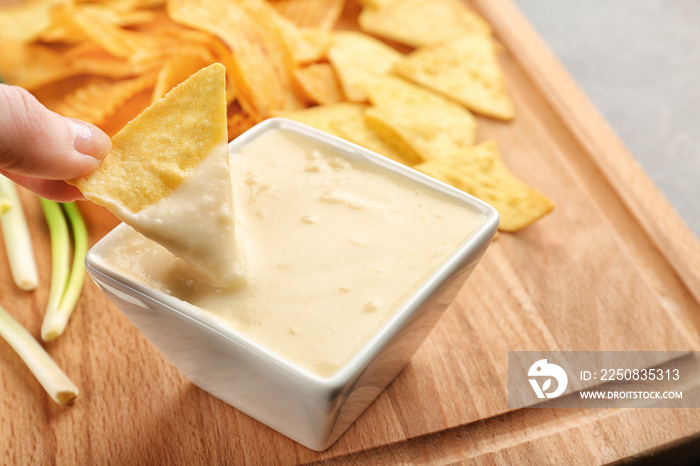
point(613, 268)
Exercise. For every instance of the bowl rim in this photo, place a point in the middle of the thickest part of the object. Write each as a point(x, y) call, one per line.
point(354, 366)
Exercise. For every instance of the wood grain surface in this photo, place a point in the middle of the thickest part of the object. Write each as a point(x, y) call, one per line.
point(612, 268)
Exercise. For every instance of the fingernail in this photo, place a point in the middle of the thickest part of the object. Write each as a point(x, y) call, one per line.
point(88, 139)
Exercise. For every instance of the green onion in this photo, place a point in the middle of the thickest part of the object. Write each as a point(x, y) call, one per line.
point(80, 248)
point(66, 281)
point(50, 376)
point(60, 265)
point(18, 242)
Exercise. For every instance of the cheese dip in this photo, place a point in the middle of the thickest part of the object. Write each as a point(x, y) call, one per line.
point(333, 246)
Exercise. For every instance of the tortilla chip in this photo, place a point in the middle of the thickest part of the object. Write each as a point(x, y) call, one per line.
point(391, 89)
point(421, 22)
point(157, 150)
point(465, 69)
point(416, 122)
point(319, 83)
point(423, 131)
point(357, 130)
point(169, 167)
point(480, 171)
point(345, 120)
point(322, 14)
point(308, 44)
point(359, 60)
point(324, 117)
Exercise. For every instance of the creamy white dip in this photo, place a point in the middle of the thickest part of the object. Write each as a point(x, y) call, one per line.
point(333, 248)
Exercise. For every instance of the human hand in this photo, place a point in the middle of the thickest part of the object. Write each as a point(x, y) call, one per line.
point(39, 148)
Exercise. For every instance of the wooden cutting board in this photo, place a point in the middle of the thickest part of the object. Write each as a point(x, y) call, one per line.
point(612, 268)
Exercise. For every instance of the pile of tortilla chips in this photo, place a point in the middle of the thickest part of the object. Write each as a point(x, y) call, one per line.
point(408, 79)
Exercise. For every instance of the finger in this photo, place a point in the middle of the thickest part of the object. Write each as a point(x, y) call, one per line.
point(56, 190)
point(39, 143)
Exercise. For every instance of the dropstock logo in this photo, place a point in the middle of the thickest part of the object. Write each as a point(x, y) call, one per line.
point(544, 372)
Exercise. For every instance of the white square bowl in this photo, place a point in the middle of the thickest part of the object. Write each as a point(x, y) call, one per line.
point(309, 409)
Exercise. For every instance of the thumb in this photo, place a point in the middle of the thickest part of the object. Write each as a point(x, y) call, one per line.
point(39, 143)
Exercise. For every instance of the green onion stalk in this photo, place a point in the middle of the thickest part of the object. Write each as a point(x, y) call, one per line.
point(24, 272)
point(50, 376)
point(18, 242)
point(66, 280)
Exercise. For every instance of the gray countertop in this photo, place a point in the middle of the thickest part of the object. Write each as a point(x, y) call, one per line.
point(639, 62)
